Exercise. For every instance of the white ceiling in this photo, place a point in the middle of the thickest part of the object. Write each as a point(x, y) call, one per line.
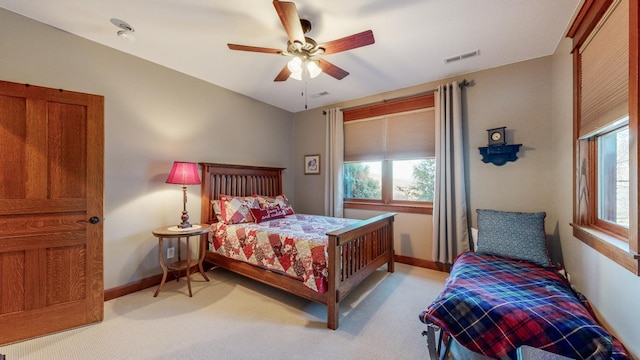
point(412, 39)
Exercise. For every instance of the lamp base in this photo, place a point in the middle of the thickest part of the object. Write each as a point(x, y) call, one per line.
point(185, 224)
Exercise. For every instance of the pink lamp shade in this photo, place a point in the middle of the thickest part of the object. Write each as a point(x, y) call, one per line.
point(184, 173)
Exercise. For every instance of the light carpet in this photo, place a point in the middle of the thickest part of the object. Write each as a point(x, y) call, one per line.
point(232, 317)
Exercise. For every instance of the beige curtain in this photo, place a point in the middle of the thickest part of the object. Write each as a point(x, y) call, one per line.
point(334, 173)
point(450, 226)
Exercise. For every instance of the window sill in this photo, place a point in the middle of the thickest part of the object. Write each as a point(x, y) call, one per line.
point(412, 209)
point(608, 245)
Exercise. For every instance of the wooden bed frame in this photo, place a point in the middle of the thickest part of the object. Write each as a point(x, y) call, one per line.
point(354, 252)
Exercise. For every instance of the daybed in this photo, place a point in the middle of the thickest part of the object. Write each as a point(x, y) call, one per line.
point(325, 273)
point(506, 296)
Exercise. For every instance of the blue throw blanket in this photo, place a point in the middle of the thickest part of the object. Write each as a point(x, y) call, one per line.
point(492, 305)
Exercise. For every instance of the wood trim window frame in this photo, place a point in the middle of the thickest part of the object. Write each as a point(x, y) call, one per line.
point(585, 228)
point(421, 101)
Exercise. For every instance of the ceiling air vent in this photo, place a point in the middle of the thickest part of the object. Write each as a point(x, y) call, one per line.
point(315, 96)
point(462, 56)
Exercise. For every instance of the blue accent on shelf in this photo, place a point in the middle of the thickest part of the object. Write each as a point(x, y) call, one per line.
point(499, 154)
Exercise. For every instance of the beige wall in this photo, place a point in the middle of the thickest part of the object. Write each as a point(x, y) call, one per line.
point(516, 96)
point(153, 116)
point(309, 138)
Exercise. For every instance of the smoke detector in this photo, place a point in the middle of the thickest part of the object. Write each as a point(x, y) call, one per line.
point(126, 31)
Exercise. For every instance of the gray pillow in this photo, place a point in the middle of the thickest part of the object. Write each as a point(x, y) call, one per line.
point(516, 235)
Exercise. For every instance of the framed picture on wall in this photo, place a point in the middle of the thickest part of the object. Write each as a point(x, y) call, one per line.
point(312, 164)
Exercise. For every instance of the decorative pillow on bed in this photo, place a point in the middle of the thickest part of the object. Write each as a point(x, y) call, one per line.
point(517, 235)
point(280, 200)
point(217, 210)
point(270, 213)
point(235, 209)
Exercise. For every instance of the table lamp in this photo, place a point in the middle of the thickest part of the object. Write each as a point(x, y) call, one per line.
point(184, 173)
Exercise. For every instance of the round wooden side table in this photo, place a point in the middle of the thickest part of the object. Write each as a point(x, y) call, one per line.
point(177, 233)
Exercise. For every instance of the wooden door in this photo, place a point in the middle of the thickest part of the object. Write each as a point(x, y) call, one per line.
point(51, 208)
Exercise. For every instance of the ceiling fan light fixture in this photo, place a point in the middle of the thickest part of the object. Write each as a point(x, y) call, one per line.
point(303, 68)
point(296, 75)
point(314, 69)
point(295, 65)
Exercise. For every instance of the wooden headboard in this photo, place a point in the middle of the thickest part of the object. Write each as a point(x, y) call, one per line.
point(236, 180)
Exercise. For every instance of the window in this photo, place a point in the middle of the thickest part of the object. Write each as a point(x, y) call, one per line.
point(613, 177)
point(363, 180)
point(613, 182)
point(413, 180)
point(389, 156)
point(605, 37)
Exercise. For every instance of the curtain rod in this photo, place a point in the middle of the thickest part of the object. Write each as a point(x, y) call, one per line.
point(463, 84)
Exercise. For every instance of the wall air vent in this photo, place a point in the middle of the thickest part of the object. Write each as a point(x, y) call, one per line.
point(462, 56)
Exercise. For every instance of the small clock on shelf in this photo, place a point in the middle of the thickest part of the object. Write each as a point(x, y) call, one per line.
point(497, 151)
point(496, 136)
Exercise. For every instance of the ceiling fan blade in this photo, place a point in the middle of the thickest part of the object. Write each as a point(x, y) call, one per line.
point(332, 70)
point(284, 74)
point(349, 42)
point(290, 20)
point(254, 49)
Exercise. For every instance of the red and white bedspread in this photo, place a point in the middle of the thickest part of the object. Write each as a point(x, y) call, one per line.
point(295, 245)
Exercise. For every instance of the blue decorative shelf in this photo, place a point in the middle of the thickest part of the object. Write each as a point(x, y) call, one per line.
point(499, 154)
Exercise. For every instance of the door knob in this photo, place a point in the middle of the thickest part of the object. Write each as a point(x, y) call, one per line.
point(94, 220)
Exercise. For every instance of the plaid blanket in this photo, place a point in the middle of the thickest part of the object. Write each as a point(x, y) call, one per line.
point(492, 305)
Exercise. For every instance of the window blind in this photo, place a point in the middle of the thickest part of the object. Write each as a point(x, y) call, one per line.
point(407, 135)
point(604, 77)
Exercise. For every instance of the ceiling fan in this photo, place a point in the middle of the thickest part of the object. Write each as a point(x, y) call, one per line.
point(305, 51)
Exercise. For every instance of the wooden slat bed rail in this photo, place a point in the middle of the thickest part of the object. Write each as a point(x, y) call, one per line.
point(355, 252)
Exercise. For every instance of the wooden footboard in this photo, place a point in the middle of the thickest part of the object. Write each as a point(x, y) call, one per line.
point(354, 252)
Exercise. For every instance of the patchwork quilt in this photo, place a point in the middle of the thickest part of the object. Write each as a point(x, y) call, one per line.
point(295, 245)
point(492, 305)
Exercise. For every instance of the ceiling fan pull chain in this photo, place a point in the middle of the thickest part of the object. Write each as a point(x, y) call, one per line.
point(305, 94)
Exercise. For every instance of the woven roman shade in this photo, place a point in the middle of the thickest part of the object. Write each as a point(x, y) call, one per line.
point(605, 73)
point(408, 135)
